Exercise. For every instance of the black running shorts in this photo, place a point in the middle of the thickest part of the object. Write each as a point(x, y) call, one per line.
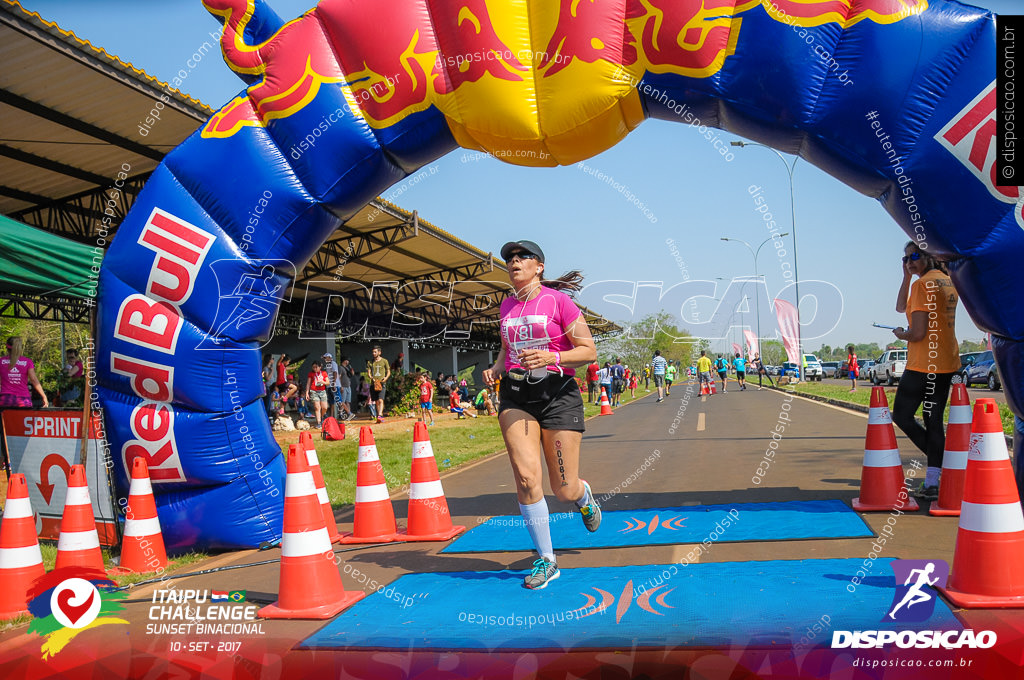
point(563, 412)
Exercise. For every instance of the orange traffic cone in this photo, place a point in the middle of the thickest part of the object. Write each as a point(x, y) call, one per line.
point(79, 544)
point(606, 407)
point(142, 549)
point(429, 519)
point(374, 517)
point(954, 457)
point(306, 442)
point(704, 389)
point(21, 562)
point(310, 585)
point(881, 479)
point(988, 561)
point(711, 387)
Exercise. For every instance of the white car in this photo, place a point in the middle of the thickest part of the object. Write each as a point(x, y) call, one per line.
point(889, 367)
point(812, 368)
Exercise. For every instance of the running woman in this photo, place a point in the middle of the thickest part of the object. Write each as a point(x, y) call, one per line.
point(543, 338)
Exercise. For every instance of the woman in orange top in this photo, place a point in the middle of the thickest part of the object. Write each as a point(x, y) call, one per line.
point(933, 357)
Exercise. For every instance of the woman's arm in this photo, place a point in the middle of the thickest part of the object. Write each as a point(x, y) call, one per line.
point(492, 372)
point(39, 388)
point(904, 292)
point(918, 328)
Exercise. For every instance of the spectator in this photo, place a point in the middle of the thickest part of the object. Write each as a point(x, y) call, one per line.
point(286, 388)
point(933, 358)
point(457, 406)
point(618, 381)
point(379, 371)
point(364, 393)
point(317, 384)
point(633, 382)
point(426, 399)
point(464, 390)
point(853, 369)
point(442, 385)
point(16, 374)
point(397, 364)
point(333, 384)
point(592, 391)
point(647, 377)
point(269, 375)
point(483, 402)
point(73, 377)
point(345, 376)
point(604, 380)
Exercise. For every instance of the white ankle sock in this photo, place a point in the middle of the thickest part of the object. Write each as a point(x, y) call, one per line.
point(536, 516)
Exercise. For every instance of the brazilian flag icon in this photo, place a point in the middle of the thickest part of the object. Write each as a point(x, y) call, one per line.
point(237, 596)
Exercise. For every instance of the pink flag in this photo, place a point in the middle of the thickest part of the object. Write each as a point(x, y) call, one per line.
point(988, 341)
point(752, 347)
point(790, 328)
point(736, 349)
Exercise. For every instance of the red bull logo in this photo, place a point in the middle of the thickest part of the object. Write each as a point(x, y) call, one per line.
point(391, 62)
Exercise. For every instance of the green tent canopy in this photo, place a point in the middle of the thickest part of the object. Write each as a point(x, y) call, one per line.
point(38, 263)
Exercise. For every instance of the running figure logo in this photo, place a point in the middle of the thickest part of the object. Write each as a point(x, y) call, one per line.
point(912, 602)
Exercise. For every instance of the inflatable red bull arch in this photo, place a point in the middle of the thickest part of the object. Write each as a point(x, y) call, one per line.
point(895, 98)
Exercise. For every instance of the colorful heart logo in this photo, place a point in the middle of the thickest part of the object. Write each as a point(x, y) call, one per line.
point(73, 612)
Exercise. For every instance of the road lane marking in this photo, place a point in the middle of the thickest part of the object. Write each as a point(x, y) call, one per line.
point(700, 422)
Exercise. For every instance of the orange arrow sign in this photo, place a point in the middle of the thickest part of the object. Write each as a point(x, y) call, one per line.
point(51, 460)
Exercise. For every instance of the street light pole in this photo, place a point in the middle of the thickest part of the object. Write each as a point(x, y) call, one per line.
point(792, 211)
point(757, 290)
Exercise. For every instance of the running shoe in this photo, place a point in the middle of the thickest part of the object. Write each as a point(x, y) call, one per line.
point(544, 572)
point(591, 513)
point(380, 419)
point(660, 400)
point(926, 493)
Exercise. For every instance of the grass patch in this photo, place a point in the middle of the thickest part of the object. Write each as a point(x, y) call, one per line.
point(863, 397)
point(455, 442)
point(49, 551)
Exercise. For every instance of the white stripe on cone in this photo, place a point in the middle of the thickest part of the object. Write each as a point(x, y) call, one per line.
point(422, 450)
point(306, 543)
point(992, 518)
point(879, 415)
point(988, 446)
point(17, 558)
point(311, 457)
point(321, 495)
point(18, 508)
point(142, 527)
point(141, 487)
point(367, 454)
point(882, 459)
point(78, 540)
point(78, 495)
point(298, 484)
point(372, 494)
point(960, 415)
point(422, 490)
point(954, 460)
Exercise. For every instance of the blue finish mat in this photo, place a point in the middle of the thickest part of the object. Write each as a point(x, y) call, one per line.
point(699, 605)
point(662, 526)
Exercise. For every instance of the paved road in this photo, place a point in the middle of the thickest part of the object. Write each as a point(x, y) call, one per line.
point(705, 451)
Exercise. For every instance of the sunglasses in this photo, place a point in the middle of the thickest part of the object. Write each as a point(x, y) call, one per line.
point(913, 256)
point(521, 256)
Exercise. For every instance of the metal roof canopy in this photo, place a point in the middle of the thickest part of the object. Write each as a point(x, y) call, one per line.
point(63, 147)
point(59, 163)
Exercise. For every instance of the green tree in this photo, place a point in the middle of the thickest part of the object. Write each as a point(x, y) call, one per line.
point(773, 353)
point(636, 345)
point(971, 346)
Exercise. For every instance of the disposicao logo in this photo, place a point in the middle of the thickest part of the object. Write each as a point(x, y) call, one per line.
point(69, 601)
point(912, 603)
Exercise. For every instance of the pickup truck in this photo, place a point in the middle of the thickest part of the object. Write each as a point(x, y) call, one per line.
point(889, 367)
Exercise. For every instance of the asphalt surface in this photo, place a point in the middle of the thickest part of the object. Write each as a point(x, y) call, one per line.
point(703, 450)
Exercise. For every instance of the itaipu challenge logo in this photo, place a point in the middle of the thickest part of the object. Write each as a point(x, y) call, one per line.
point(67, 602)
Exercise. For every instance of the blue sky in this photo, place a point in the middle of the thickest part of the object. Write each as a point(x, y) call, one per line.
point(692, 195)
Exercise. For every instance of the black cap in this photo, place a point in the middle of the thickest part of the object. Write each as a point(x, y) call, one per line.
point(528, 246)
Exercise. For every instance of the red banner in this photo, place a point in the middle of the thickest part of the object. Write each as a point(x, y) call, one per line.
point(752, 344)
point(790, 327)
